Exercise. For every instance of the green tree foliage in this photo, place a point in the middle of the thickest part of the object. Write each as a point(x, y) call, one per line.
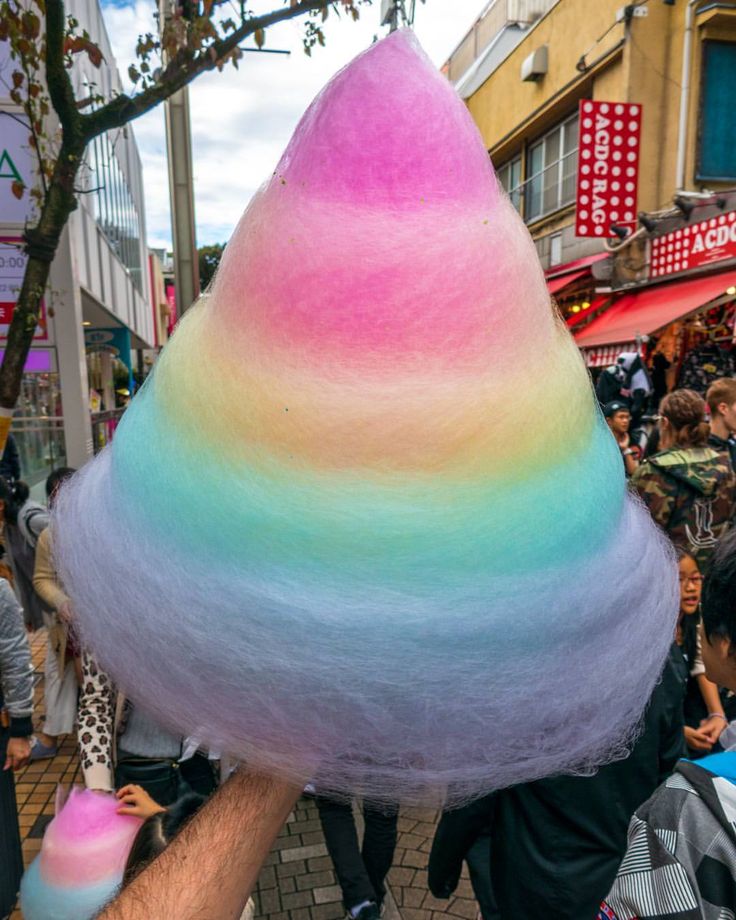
point(209, 259)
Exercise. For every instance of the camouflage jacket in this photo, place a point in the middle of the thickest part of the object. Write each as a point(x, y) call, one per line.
point(691, 494)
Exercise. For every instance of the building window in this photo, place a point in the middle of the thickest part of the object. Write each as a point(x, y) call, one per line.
point(116, 212)
point(555, 249)
point(717, 135)
point(509, 175)
point(551, 168)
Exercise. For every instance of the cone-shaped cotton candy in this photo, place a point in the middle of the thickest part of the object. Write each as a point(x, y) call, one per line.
point(365, 522)
point(83, 855)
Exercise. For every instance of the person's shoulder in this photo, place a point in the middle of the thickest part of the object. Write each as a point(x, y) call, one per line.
point(44, 539)
point(35, 514)
point(7, 595)
point(647, 469)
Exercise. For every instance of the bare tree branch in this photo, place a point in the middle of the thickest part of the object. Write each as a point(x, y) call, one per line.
point(57, 75)
point(182, 70)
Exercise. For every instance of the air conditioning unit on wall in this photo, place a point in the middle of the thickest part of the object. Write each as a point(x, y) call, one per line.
point(535, 66)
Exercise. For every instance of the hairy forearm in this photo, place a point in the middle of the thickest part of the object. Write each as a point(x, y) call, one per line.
point(209, 870)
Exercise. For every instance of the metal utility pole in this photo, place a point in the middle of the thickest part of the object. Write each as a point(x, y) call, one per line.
point(181, 190)
point(397, 13)
point(181, 196)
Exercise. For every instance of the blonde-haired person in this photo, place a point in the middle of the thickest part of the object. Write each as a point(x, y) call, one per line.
point(63, 670)
point(721, 399)
point(689, 487)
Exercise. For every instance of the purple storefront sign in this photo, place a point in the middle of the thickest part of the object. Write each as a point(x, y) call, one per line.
point(39, 361)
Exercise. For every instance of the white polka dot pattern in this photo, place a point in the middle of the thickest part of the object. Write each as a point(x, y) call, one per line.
point(608, 151)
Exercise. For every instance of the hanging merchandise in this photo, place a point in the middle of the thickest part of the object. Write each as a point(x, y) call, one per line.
point(628, 380)
point(705, 364)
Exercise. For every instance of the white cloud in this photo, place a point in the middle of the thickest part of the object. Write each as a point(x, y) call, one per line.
point(242, 119)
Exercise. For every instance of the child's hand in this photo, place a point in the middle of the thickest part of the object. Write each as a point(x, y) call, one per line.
point(697, 739)
point(137, 802)
point(714, 727)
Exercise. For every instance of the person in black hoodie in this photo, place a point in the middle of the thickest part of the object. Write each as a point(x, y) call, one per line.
point(464, 834)
point(557, 843)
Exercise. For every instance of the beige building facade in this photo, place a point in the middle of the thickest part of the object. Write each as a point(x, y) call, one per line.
point(600, 50)
point(525, 68)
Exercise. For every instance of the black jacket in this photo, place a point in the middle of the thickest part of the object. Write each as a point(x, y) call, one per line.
point(726, 447)
point(454, 836)
point(10, 460)
point(557, 843)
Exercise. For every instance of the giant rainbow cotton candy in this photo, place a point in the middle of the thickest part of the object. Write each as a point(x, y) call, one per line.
point(82, 859)
point(365, 521)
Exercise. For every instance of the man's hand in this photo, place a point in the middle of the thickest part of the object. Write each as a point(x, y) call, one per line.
point(18, 753)
point(137, 802)
point(697, 739)
point(65, 613)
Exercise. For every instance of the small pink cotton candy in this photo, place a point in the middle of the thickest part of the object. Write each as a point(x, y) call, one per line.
point(88, 841)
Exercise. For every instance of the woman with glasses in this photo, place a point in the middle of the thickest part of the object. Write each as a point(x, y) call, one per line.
point(705, 717)
point(689, 487)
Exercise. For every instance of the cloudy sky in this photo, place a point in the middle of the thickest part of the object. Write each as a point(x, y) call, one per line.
point(242, 119)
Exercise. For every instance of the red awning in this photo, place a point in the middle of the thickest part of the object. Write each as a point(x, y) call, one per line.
point(650, 309)
point(607, 355)
point(557, 284)
point(595, 305)
point(575, 266)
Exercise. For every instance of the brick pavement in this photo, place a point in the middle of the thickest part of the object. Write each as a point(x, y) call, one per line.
point(297, 881)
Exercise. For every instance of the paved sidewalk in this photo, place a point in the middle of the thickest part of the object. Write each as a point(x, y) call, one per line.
point(297, 881)
point(35, 786)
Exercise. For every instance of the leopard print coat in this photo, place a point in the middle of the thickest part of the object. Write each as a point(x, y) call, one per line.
point(98, 715)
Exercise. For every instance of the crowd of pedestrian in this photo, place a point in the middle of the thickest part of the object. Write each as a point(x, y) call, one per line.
point(647, 835)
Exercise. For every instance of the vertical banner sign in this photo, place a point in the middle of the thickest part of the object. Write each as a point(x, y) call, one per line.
point(608, 167)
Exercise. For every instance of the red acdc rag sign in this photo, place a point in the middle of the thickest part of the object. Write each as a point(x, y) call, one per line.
point(711, 240)
point(608, 167)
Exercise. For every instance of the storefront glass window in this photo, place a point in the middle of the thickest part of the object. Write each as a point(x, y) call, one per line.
point(552, 170)
point(38, 428)
point(717, 151)
point(509, 175)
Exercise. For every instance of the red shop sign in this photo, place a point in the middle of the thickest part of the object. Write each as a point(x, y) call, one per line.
point(711, 240)
point(608, 167)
